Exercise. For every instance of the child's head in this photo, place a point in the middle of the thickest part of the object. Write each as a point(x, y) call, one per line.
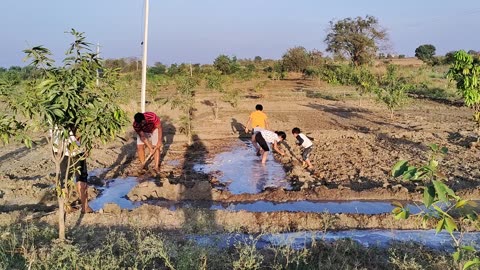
point(281, 135)
point(295, 131)
point(139, 117)
point(259, 107)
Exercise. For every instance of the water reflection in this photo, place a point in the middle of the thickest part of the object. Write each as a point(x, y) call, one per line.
point(243, 171)
point(115, 191)
point(382, 238)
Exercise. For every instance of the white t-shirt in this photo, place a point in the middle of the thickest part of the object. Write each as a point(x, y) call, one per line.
point(269, 136)
point(306, 141)
point(71, 143)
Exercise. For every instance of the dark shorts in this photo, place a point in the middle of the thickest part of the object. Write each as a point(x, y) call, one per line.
point(261, 141)
point(306, 152)
point(80, 170)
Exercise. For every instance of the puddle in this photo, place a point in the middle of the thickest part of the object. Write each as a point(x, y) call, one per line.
point(173, 162)
point(333, 207)
point(382, 238)
point(115, 191)
point(243, 171)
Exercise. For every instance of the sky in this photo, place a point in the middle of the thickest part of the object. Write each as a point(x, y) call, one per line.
point(197, 31)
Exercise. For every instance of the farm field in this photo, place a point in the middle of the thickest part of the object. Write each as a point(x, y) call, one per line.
point(356, 144)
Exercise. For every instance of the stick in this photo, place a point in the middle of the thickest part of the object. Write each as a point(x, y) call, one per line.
point(150, 156)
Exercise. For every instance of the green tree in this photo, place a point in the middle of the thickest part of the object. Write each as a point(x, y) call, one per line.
point(257, 59)
point(221, 84)
point(296, 59)
point(465, 71)
point(316, 57)
point(69, 96)
point(391, 90)
point(157, 69)
point(449, 58)
point(226, 65)
point(184, 99)
point(358, 39)
point(473, 52)
point(425, 53)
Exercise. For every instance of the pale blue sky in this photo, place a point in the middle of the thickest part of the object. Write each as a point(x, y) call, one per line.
point(199, 30)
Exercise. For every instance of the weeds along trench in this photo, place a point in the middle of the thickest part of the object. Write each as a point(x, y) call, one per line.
point(250, 199)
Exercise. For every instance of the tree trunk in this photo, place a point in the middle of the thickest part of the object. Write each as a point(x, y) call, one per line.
point(189, 127)
point(61, 218)
point(60, 199)
point(215, 110)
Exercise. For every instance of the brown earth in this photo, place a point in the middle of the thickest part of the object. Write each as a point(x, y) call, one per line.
point(356, 144)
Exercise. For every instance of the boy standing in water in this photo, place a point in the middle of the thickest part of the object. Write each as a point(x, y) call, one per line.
point(265, 137)
point(307, 145)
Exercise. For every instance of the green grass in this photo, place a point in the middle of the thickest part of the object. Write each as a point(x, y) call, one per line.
point(34, 247)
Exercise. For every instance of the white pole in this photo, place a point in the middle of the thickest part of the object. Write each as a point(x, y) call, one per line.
point(144, 61)
point(98, 55)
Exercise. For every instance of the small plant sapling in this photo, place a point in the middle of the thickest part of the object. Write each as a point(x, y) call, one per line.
point(440, 203)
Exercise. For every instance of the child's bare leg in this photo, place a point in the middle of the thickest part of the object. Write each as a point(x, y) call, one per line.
point(264, 157)
point(310, 166)
point(254, 142)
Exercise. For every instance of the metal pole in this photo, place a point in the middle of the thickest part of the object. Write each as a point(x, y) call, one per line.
point(98, 71)
point(144, 61)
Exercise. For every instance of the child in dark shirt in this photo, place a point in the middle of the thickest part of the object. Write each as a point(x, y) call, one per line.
point(307, 146)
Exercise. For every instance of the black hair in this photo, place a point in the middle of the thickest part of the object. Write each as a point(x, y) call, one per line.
point(259, 107)
point(139, 117)
point(281, 134)
point(296, 130)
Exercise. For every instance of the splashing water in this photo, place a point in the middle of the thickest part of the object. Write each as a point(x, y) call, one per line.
point(243, 171)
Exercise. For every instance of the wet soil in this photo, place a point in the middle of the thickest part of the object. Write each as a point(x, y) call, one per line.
point(356, 144)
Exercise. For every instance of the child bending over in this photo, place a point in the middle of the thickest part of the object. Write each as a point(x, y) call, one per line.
point(307, 146)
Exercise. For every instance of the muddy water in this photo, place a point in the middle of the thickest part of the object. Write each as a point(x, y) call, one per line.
point(242, 170)
point(351, 207)
point(383, 238)
point(332, 207)
point(115, 191)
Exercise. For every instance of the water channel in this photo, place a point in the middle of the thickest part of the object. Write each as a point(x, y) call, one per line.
point(242, 171)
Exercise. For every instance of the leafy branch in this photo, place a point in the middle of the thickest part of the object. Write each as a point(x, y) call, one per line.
point(440, 202)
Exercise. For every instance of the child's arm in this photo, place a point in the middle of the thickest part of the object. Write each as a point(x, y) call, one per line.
point(275, 146)
point(299, 140)
point(247, 124)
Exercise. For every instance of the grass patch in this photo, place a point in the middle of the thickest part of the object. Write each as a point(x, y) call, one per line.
point(35, 247)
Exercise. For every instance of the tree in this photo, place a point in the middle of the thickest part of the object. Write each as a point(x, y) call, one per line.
point(220, 83)
point(68, 95)
point(225, 65)
point(425, 53)
point(466, 72)
point(157, 69)
point(316, 57)
point(449, 58)
point(473, 52)
point(391, 90)
point(296, 59)
point(184, 99)
point(358, 39)
point(257, 59)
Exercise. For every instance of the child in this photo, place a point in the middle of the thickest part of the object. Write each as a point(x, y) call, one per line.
point(307, 145)
point(265, 137)
point(258, 121)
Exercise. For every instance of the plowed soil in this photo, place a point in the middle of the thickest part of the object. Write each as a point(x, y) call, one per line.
point(356, 144)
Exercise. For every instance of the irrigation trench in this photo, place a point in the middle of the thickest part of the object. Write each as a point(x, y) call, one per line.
point(256, 200)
